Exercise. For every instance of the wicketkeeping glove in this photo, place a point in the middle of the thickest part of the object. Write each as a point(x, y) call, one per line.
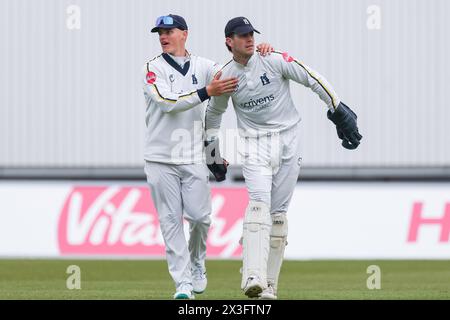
point(216, 164)
point(346, 126)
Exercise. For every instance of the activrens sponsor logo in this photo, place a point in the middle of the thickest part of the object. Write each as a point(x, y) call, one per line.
point(123, 221)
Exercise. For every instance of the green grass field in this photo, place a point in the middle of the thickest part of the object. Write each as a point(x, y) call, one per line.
point(130, 279)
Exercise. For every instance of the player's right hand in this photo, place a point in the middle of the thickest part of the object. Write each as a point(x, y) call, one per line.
point(218, 87)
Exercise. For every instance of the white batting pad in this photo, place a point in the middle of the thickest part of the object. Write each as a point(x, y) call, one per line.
point(278, 242)
point(256, 236)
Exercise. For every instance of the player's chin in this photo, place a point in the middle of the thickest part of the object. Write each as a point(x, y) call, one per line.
point(166, 49)
point(249, 50)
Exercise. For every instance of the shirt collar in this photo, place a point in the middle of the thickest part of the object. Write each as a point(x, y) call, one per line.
point(185, 58)
point(175, 65)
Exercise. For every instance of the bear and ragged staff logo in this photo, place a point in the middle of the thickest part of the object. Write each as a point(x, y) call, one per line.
point(264, 79)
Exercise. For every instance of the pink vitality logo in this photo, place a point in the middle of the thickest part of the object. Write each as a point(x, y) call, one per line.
point(123, 221)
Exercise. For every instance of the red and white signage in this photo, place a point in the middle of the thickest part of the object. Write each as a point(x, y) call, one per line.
point(326, 221)
point(123, 221)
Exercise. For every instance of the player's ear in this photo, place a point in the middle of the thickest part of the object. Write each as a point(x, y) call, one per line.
point(185, 34)
point(228, 41)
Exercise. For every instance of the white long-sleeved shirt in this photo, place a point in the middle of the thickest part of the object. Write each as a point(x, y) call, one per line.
point(262, 101)
point(174, 118)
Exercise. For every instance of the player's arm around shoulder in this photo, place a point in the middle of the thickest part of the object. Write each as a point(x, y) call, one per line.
point(274, 62)
point(158, 89)
point(218, 103)
point(278, 61)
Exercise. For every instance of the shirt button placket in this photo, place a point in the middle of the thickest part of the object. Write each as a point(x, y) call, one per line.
point(249, 79)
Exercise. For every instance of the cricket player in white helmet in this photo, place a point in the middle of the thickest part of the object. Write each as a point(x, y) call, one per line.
point(268, 121)
point(176, 83)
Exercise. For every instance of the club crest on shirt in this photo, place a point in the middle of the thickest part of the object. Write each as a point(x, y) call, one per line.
point(264, 79)
point(151, 77)
point(194, 79)
point(171, 78)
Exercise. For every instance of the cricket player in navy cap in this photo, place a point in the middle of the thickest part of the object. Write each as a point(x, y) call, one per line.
point(176, 83)
point(269, 123)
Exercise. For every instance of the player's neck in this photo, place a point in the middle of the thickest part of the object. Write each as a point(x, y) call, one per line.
point(242, 59)
point(179, 52)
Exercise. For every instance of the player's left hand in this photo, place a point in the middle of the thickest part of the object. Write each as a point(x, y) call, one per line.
point(219, 170)
point(264, 49)
point(215, 163)
point(346, 126)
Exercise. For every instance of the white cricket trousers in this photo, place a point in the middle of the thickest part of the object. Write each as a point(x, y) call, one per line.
point(271, 167)
point(181, 191)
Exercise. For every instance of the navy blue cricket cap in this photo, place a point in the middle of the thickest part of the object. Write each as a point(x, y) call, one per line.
point(239, 25)
point(170, 21)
